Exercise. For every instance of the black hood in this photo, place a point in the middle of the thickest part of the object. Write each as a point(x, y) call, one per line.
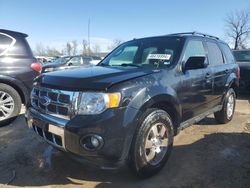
point(93, 78)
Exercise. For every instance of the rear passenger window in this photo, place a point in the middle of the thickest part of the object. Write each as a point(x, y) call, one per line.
point(227, 53)
point(194, 48)
point(214, 54)
point(5, 43)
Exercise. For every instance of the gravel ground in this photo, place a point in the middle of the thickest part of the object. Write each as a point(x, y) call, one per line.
point(204, 155)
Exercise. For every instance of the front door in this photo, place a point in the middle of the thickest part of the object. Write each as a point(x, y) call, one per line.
point(196, 84)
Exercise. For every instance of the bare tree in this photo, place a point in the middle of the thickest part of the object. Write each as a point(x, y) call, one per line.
point(40, 50)
point(74, 47)
point(96, 48)
point(52, 52)
point(238, 28)
point(68, 48)
point(84, 47)
point(115, 43)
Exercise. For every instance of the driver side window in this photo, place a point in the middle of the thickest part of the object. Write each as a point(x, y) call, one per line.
point(194, 48)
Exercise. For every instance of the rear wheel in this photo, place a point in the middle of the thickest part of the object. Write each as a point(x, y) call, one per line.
point(152, 143)
point(227, 111)
point(10, 104)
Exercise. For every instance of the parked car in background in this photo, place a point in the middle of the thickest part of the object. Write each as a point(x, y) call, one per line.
point(243, 59)
point(128, 108)
point(69, 62)
point(18, 68)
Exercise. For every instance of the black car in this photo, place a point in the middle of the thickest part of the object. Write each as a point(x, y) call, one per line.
point(243, 59)
point(69, 62)
point(130, 106)
point(18, 68)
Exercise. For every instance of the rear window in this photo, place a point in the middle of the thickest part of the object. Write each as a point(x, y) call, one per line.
point(228, 53)
point(214, 54)
point(6, 42)
point(242, 56)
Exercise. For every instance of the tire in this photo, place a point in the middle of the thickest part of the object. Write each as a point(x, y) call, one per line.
point(147, 162)
point(225, 115)
point(14, 106)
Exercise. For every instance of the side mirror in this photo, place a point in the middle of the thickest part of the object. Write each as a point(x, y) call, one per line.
point(195, 62)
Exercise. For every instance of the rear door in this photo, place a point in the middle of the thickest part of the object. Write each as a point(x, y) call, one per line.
point(195, 87)
point(219, 70)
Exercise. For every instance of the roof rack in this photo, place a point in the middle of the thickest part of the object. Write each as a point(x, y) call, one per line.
point(196, 33)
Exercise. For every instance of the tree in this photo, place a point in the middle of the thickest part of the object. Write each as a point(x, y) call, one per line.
point(96, 48)
point(84, 47)
point(74, 47)
point(51, 52)
point(68, 48)
point(115, 43)
point(40, 50)
point(238, 28)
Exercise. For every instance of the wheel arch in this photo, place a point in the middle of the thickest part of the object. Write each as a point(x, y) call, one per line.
point(21, 90)
point(167, 103)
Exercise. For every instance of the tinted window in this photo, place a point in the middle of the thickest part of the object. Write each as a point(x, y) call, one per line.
point(75, 61)
point(228, 53)
point(242, 55)
point(5, 42)
point(214, 54)
point(194, 48)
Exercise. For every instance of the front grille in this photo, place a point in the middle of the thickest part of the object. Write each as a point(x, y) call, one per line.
point(49, 137)
point(58, 102)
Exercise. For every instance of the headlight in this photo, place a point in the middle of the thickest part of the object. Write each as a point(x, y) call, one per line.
point(96, 103)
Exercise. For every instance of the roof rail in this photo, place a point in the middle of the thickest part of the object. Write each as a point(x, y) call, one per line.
point(196, 33)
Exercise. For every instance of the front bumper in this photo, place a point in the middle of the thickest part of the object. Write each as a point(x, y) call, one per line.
point(115, 126)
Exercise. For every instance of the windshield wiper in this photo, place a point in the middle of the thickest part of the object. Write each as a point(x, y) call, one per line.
point(129, 65)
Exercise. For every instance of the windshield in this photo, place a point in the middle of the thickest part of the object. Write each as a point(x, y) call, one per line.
point(61, 60)
point(242, 55)
point(151, 52)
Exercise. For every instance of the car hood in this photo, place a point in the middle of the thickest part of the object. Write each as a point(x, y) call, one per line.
point(92, 78)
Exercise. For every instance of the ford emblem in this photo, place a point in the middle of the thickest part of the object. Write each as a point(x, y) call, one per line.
point(44, 100)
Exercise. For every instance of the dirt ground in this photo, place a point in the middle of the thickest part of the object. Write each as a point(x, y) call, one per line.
point(204, 155)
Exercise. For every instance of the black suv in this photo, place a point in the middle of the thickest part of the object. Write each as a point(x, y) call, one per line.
point(18, 68)
point(130, 106)
point(243, 59)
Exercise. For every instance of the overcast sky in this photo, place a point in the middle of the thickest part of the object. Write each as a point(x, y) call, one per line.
point(54, 22)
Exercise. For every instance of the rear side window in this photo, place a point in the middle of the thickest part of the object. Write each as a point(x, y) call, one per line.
point(194, 48)
point(75, 61)
point(6, 41)
point(227, 53)
point(214, 54)
point(20, 48)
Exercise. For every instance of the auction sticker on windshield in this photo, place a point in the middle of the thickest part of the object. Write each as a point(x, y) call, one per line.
point(159, 56)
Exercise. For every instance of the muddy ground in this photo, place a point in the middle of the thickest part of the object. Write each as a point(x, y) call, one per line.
point(204, 155)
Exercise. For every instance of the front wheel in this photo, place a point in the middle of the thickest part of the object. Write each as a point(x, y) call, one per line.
point(226, 113)
point(152, 143)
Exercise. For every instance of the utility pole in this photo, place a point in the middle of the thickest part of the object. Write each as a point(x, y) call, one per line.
point(89, 36)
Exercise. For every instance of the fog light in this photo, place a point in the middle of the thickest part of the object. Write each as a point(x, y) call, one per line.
point(91, 142)
point(94, 141)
